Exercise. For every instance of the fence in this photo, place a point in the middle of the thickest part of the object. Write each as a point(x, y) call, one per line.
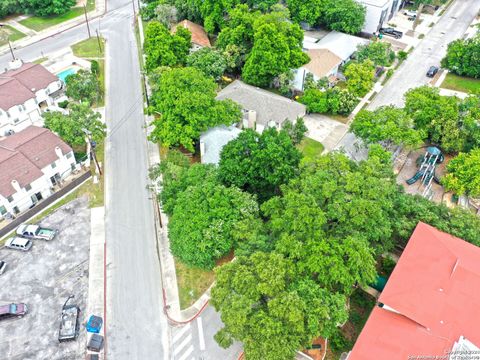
point(43, 204)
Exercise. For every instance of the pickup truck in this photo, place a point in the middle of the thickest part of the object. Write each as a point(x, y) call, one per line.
point(391, 32)
point(69, 325)
point(35, 232)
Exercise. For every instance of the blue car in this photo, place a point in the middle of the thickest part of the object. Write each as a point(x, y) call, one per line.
point(94, 324)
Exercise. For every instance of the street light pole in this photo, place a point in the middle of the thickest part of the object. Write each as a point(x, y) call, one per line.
point(86, 18)
point(11, 50)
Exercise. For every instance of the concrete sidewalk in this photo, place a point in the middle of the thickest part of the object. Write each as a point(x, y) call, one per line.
point(96, 276)
point(33, 36)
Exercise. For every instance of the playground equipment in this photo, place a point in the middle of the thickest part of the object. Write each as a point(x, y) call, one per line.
point(426, 171)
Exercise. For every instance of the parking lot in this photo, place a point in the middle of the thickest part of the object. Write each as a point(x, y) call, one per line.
point(43, 278)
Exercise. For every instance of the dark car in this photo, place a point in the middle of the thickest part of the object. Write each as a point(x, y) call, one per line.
point(12, 310)
point(95, 343)
point(432, 71)
point(391, 32)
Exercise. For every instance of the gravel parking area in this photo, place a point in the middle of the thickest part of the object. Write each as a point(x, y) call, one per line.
point(43, 278)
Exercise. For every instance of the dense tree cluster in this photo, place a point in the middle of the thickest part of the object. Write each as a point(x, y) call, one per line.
point(83, 86)
point(184, 99)
point(331, 101)
point(464, 174)
point(163, 48)
point(35, 7)
point(379, 52)
point(463, 57)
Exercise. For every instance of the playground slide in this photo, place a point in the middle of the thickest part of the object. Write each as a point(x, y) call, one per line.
point(415, 178)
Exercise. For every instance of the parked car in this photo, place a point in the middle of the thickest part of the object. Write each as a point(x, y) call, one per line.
point(410, 13)
point(35, 232)
point(18, 243)
point(391, 32)
point(432, 71)
point(95, 343)
point(3, 266)
point(94, 324)
point(12, 310)
point(69, 325)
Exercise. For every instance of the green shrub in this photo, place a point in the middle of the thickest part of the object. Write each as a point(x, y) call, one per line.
point(402, 55)
point(63, 104)
point(94, 67)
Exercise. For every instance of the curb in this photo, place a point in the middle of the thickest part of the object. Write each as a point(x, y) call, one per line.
point(177, 322)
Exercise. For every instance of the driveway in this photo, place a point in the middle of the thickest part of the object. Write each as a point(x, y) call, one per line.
point(324, 129)
point(430, 51)
point(43, 278)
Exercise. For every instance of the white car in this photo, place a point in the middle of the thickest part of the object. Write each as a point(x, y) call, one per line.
point(35, 232)
point(410, 13)
point(19, 243)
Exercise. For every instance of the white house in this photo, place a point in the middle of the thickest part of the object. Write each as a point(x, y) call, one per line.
point(379, 12)
point(25, 91)
point(32, 162)
point(213, 140)
point(326, 55)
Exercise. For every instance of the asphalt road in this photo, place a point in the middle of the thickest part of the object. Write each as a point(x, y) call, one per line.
point(136, 325)
point(430, 51)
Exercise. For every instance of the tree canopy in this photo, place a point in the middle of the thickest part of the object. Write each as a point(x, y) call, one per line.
point(388, 124)
point(379, 52)
point(346, 16)
point(259, 163)
point(83, 86)
point(204, 216)
point(263, 299)
point(36, 7)
point(277, 48)
point(184, 99)
point(71, 127)
point(463, 57)
point(463, 174)
point(163, 48)
point(210, 62)
point(360, 77)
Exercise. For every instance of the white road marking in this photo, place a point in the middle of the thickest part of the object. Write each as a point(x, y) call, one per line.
point(181, 333)
point(201, 339)
point(182, 345)
point(187, 353)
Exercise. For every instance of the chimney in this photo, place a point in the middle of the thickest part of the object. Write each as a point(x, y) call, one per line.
point(252, 119)
point(58, 151)
point(16, 186)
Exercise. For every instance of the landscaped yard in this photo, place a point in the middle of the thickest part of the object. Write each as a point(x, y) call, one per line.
point(461, 83)
point(90, 49)
point(311, 149)
point(41, 23)
point(9, 33)
point(192, 283)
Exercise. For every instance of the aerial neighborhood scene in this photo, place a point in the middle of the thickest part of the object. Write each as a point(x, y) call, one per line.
point(239, 179)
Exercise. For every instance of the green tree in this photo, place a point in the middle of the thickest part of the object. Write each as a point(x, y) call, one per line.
point(210, 62)
point(347, 16)
point(71, 127)
point(83, 86)
point(334, 101)
point(463, 57)
point(277, 48)
point(46, 7)
point(263, 299)
point(387, 124)
point(296, 131)
point(309, 11)
point(258, 163)
point(379, 52)
point(214, 12)
point(315, 100)
point(204, 216)
point(163, 48)
point(360, 77)
point(463, 174)
point(185, 100)
point(166, 14)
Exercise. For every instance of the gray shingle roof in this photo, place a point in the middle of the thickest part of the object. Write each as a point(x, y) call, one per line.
point(267, 105)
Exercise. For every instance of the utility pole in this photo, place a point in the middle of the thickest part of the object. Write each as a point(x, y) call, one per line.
point(92, 149)
point(11, 50)
point(99, 42)
point(86, 18)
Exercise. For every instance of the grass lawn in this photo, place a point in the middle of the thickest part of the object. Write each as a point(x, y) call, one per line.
point(311, 149)
point(90, 50)
point(40, 60)
point(192, 283)
point(461, 83)
point(13, 35)
point(41, 23)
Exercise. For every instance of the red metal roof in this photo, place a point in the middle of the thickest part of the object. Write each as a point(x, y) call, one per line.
point(199, 35)
point(435, 290)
